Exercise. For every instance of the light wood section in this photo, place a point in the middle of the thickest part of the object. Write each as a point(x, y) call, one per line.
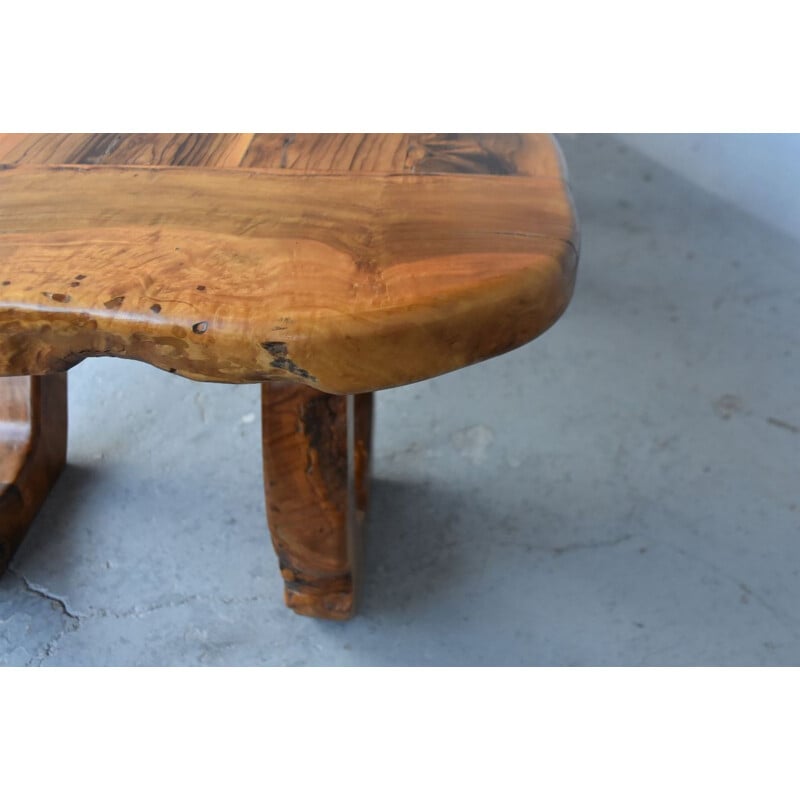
point(348, 283)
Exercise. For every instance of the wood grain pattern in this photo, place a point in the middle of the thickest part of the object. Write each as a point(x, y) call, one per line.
point(146, 149)
point(315, 517)
point(33, 446)
point(334, 263)
point(316, 454)
point(427, 153)
point(368, 281)
point(533, 155)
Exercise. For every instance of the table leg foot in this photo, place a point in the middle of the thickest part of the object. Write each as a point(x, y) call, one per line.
point(316, 463)
point(33, 450)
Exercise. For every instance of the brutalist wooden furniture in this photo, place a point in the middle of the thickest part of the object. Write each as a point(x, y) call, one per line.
point(323, 266)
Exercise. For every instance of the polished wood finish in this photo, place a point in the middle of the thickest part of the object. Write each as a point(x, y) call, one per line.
point(411, 153)
point(316, 478)
point(348, 283)
point(488, 154)
point(324, 266)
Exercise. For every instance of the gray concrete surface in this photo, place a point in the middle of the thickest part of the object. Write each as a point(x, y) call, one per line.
point(622, 491)
point(759, 173)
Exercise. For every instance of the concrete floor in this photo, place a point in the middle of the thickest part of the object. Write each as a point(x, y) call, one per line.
point(622, 491)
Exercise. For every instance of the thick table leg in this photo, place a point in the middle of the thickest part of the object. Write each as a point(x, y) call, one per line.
point(33, 449)
point(316, 458)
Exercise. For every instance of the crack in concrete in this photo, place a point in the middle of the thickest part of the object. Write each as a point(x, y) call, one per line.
point(50, 648)
point(779, 423)
point(557, 550)
point(40, 591)
point(140, 612)
point(61, 603)
point(570, 548)
point(75, 620)
point(783, 618)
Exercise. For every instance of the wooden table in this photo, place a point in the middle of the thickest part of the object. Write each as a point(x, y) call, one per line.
point(324, 267)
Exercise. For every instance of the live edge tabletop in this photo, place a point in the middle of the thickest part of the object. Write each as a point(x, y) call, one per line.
point(325, 266)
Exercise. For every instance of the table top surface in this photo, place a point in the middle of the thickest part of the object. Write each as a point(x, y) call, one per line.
point(350, 262)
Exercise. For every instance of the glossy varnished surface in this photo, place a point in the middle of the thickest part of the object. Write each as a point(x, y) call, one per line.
point(343, 262)
point(296, 270)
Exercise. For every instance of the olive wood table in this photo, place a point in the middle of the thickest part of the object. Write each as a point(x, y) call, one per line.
point(323, 266)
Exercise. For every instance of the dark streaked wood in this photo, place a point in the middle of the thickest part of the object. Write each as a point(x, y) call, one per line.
point(385, 153)
point(145, 149)
point(420, 153)
point(316, 481)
